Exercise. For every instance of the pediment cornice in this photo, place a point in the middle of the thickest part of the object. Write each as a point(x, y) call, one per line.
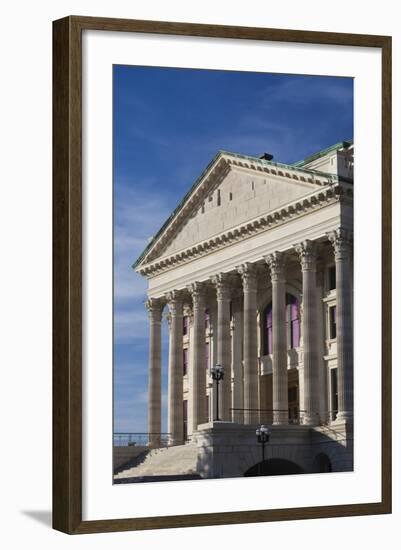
point(210, 179)
point(338, 192)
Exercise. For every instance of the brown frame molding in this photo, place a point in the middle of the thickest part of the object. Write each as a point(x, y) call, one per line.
point(67, 274)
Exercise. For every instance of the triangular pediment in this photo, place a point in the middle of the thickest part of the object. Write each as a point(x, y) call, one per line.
point(231, 192)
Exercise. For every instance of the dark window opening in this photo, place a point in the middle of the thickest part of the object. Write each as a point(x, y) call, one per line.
point(332, 322)
point(218, 197)
point(185, 361)
point(185, 325)
point(332, 278)
point(294, 321)
point(268, 332)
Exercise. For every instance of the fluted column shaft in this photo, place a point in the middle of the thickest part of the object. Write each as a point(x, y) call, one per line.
point(307, 254)
point(155, 308)
point(251, 390)
point(276, 262)
point(222, 283)
point(198, 372)
point(175, 370)
point(342, 241)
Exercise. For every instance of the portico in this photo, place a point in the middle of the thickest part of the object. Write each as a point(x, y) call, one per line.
point(265, 292)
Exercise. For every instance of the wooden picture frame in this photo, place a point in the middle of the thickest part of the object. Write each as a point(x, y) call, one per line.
point(67, 273)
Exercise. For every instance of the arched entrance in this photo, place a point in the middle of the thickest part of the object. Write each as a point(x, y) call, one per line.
point(322, 463)
point(274, 467)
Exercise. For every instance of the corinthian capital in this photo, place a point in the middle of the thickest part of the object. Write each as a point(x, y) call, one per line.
point(223, 287)
point(276, 263)
point(155, 309)
point(174, 301)
point(306, 251)
point(248, 273)
point(341, 239)
point(197, 291)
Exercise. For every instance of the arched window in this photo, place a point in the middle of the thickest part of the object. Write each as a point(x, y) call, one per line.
point(293, 323)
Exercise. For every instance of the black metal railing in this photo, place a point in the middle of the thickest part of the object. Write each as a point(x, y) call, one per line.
point(265, 416)
point(125, 439)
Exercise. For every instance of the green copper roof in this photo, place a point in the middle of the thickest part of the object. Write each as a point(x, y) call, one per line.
point(319, 154)
point(256, 160)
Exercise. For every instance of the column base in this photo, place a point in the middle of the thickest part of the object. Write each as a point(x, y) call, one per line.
point(154, 443)
point(280, 419)
point(311, 420)
point(174, 442)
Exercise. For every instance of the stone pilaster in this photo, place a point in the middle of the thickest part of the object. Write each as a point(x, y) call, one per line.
point(342, 243)
point(175, 369)
point(197, 374)
point(276, 263)
point(155, 308)
point(307, 254)
point(251, 391)
point(223, 294)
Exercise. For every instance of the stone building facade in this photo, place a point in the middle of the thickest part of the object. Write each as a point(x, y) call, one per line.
point(253, 271)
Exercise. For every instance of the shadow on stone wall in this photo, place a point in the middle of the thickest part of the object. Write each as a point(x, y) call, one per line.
point(226, 452)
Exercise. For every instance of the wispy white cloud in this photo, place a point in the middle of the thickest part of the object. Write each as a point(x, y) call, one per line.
point(131, 325)
point(138, 217)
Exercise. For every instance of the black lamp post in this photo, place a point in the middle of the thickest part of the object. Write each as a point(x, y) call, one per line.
point(263, 435)
point(217, 375)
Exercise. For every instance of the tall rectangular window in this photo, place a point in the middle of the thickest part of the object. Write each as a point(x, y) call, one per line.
point(332, 277)
point(269, 331)
point(185, 325)
point(295, 324)
point(185, 361)
point(207, 356)
point(332, 322)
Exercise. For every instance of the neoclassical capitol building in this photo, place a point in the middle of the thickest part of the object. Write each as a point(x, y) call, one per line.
point(253, 272)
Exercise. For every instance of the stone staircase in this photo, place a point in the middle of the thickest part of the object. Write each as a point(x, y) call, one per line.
point(179, 460)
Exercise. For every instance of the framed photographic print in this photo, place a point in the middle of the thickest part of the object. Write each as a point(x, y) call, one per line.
point(222, 275)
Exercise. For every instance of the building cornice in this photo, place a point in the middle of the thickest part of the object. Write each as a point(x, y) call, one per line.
point(320, 198)
point(223, 162)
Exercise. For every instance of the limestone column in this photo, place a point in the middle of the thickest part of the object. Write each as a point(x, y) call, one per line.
point(342, 241)
point(222, 283)
point(175, 370)
point(276, 262)
point(237, 369)
point(198, 372)
point(307, 253)
point(249, 281)
point(155, 308)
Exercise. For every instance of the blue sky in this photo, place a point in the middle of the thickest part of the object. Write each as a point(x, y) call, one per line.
point(168, 125)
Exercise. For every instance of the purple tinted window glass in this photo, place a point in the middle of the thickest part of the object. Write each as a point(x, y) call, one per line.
point(269, 330)
point(185, 361)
